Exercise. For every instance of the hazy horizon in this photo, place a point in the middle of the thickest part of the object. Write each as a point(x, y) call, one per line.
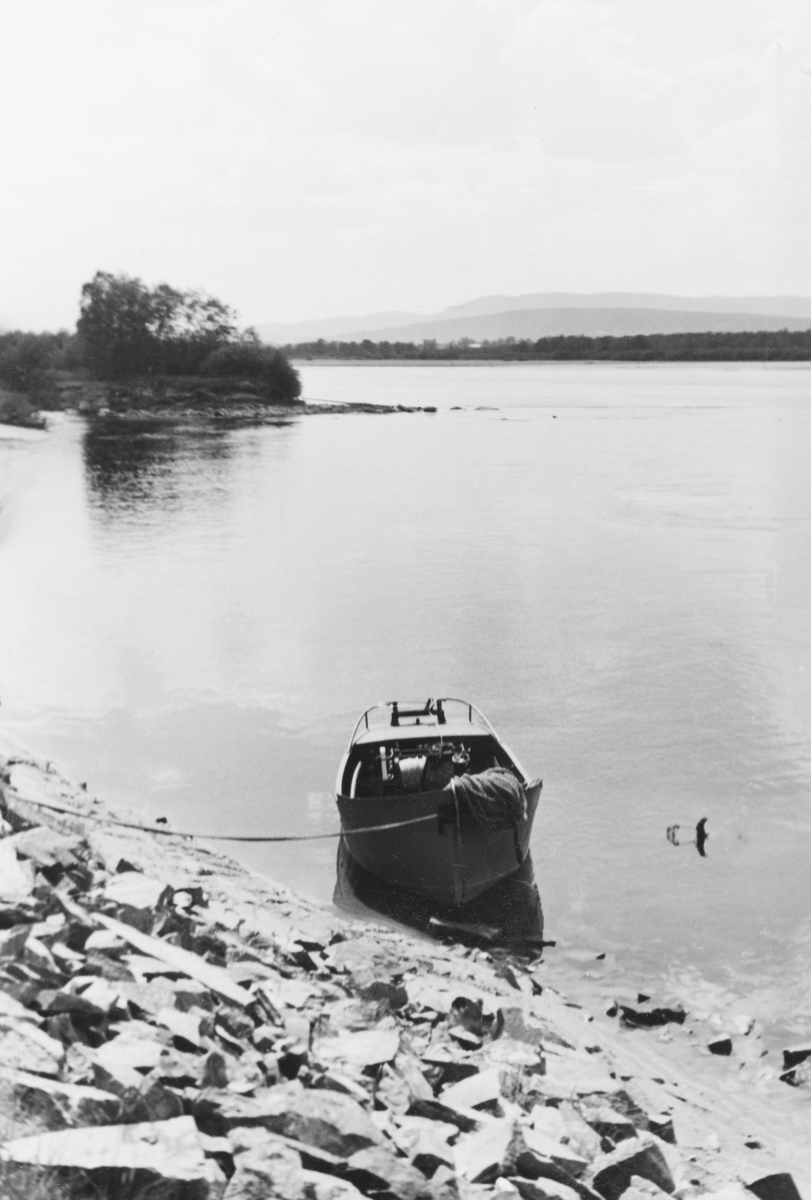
point(470, 318)
point(298, 160)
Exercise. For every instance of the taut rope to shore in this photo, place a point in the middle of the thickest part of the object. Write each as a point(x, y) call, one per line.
point(224, 837)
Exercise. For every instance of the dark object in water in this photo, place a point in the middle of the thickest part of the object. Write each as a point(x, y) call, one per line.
point(651, 1017)
point(465, 803)
point(699, 841)
point(508, 915)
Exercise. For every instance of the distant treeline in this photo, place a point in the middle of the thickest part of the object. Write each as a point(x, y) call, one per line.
point(127, 330)
point(780, 346)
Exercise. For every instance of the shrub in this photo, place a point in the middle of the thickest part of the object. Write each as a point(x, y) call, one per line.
point(15, 409)
point(249, 359)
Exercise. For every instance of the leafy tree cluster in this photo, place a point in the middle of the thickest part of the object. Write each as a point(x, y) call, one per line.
point(25, 357)
point(127, 329)
point(756, 346)
point(250, 359)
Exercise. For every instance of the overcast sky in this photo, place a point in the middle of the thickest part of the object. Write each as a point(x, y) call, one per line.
point(304, 158)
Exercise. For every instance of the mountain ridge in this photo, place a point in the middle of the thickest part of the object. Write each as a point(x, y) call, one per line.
point(555, 313)
point(576, 322)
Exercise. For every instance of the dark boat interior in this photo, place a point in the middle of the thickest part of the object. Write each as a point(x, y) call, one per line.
point(395, 767)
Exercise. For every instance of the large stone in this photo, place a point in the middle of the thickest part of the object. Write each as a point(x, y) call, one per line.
point(794, 1055)
point(611, 1174)
point(542, 1189)
point(366, 959)
point(105, 942)
point(392, 1089)
point(482, 1155)
point(799, 1075)
point(9, 1007)
point(37, 955)
point(16, 877)
point(137, 890)
point(185, 1026)
point(570, 1075)
point(105, 995)
point(442, 1112)
point(547, 1119)
point(330, 1120)
point(123, 1054)
point(286, 993)
point(389, 997)
point(46, 847)
point(582, 1138)
point(377, 1169)
point(52, 1002)
point(555, 1150)
point(152, 996)
point(365, 1048)
point(425, 1142)
point(328, 1187)
point(643, 1189)
point(480, 1088)
point(402, 1082)
point(418, 1085)
point(606, 1121)
point(35, 1103)
point(270, 1168)
point(107, 967)
point(169, 1148)
point(25, 1047)
point(12, 940)
point(780, 1186)
point(512, 1023)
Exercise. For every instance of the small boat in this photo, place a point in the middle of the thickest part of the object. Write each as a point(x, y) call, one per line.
point(432, 801)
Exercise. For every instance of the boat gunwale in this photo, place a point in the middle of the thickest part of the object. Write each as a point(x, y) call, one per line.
point(393, 704)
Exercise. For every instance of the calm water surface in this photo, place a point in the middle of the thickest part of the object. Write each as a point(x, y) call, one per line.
point(613, 562)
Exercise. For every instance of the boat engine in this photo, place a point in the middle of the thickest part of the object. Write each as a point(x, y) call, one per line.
point(423, 768)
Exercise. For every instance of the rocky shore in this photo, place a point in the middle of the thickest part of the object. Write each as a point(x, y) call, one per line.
point(174, 398)
point(174, 1026)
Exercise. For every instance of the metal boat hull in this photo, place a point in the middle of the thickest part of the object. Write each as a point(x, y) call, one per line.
point(508, 915)
point(449, 860)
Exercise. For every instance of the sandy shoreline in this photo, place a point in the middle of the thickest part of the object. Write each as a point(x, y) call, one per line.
point(543, 1060)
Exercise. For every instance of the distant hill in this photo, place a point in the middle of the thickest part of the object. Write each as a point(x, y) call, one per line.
point(780, 306)
point(281, 332)
point(548, 314)
point(590, 322)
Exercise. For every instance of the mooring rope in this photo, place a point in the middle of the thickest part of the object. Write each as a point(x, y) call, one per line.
point(225, 837)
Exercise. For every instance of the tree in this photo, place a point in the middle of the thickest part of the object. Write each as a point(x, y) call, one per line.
point(116, 314)
point(127, 329)
point(249, 359)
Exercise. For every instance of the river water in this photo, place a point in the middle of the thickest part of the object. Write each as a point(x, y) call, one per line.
point(613, 562)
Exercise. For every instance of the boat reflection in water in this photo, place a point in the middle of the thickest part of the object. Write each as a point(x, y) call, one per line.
point(508, 915)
